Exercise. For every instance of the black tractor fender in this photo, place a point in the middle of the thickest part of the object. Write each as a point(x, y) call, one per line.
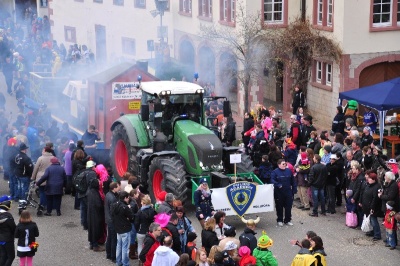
point(144, 160)
point(129, 127)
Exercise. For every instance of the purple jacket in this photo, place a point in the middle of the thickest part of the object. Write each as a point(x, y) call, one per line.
point(68, 163)
point(56, 179)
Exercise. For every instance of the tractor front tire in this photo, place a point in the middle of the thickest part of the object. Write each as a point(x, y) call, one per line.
point(246, 165)
point(122, 154)
point(167, 174)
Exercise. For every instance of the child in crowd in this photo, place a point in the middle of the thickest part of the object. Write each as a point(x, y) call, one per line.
point(201, 258)
point(300, 114)
point(262, 254)
point(390, 226)
point(351, 216)
point(191, 245)
point(313, 139)
point(304, 165)
point(26, 232)
point(246, 257)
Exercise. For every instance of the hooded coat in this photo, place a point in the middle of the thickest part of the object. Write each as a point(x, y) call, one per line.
point(56, 179)
point(95, 213)
point(264, 257)
point(164, 256)
point(248, 239)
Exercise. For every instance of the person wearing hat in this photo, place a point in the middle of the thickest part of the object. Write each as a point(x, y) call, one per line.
point(7, 229)
point(90, 173)
point(247, 238)
point(202, 201)
point(331, 182)
point(245, 257)
point(371, 204)
point(390, 225)
point(191, 248)
point(23, 168)
point(10, 152)
point(231, 249)
point(306, 129)
point(56, 179)
point(262, 254)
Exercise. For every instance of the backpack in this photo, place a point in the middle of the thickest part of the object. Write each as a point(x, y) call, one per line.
point(80, 183)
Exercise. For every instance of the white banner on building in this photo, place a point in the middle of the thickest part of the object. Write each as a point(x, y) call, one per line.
point(243, 198)
point(126, 91)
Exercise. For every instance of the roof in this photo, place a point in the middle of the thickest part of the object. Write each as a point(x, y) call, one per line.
point(176, 87)
point(109, 74)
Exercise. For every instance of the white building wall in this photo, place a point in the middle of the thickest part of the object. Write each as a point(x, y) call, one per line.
point(120, 21)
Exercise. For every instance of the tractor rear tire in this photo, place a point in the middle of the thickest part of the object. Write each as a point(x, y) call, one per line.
point(122, 154)
point(246, 165)
point(168, 174)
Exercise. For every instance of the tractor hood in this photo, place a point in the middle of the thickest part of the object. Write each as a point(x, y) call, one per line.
point(196, 144)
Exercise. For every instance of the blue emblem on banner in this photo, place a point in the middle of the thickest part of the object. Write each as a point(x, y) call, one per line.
point(240, 196)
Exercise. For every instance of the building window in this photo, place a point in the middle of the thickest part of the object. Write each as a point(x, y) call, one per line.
point(275, 12)
point(43, 3)
point(185, 6)
point(118, 2)
point(385, 15)
point(328, 74)
point(140, 3)
point(98, 1)
point(70, 34)
point(205, 8)
point(228, 10)
point(323, 14)
point(128, 46)
point(322, 74)
point(318, 70)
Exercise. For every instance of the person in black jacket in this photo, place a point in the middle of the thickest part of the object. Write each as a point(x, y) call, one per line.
point(247, 125)
point(122, 217)
point(208, 235)
point(298, 99)
point(90, 175)
point(390, 192)
point(95, 208)
point(248, 238)
point(26, 229)
point(338, 121)
point(371, 204)
point(143, 219)
point(331, 181)
point(171, 226)
point(150, 244)
point(56, 180)
point(317, 180)
point(23, 168)
point(356, 181)
point(7, 229)
point(229, 131)
point(111, 242)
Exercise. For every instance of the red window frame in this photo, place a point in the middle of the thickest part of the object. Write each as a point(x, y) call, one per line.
point(324, 24)
point(394, 13)
point(226, 12)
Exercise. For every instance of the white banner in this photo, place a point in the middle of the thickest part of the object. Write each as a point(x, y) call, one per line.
point(243, 198)
point(126, 90)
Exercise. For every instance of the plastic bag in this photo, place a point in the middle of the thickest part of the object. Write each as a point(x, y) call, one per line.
point(366, 224)
point(351, 219)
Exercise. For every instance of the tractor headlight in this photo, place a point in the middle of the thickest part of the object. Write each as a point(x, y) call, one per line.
point(200, 164)
point(163, 102)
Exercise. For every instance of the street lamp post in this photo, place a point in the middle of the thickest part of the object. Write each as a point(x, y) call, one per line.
point(161, 6)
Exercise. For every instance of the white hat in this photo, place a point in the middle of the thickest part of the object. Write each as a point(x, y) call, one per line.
point(333, 156)
point(230, 245)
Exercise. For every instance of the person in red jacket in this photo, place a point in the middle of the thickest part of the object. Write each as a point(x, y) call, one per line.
point(247, 258)
point(150, 244)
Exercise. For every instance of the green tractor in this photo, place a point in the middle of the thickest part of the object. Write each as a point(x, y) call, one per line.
point(172, 141)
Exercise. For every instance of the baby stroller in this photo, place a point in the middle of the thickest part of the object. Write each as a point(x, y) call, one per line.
point(29, 201)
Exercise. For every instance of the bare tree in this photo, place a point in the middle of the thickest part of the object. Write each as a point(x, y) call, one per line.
point(297, 46)
point(247, 42)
